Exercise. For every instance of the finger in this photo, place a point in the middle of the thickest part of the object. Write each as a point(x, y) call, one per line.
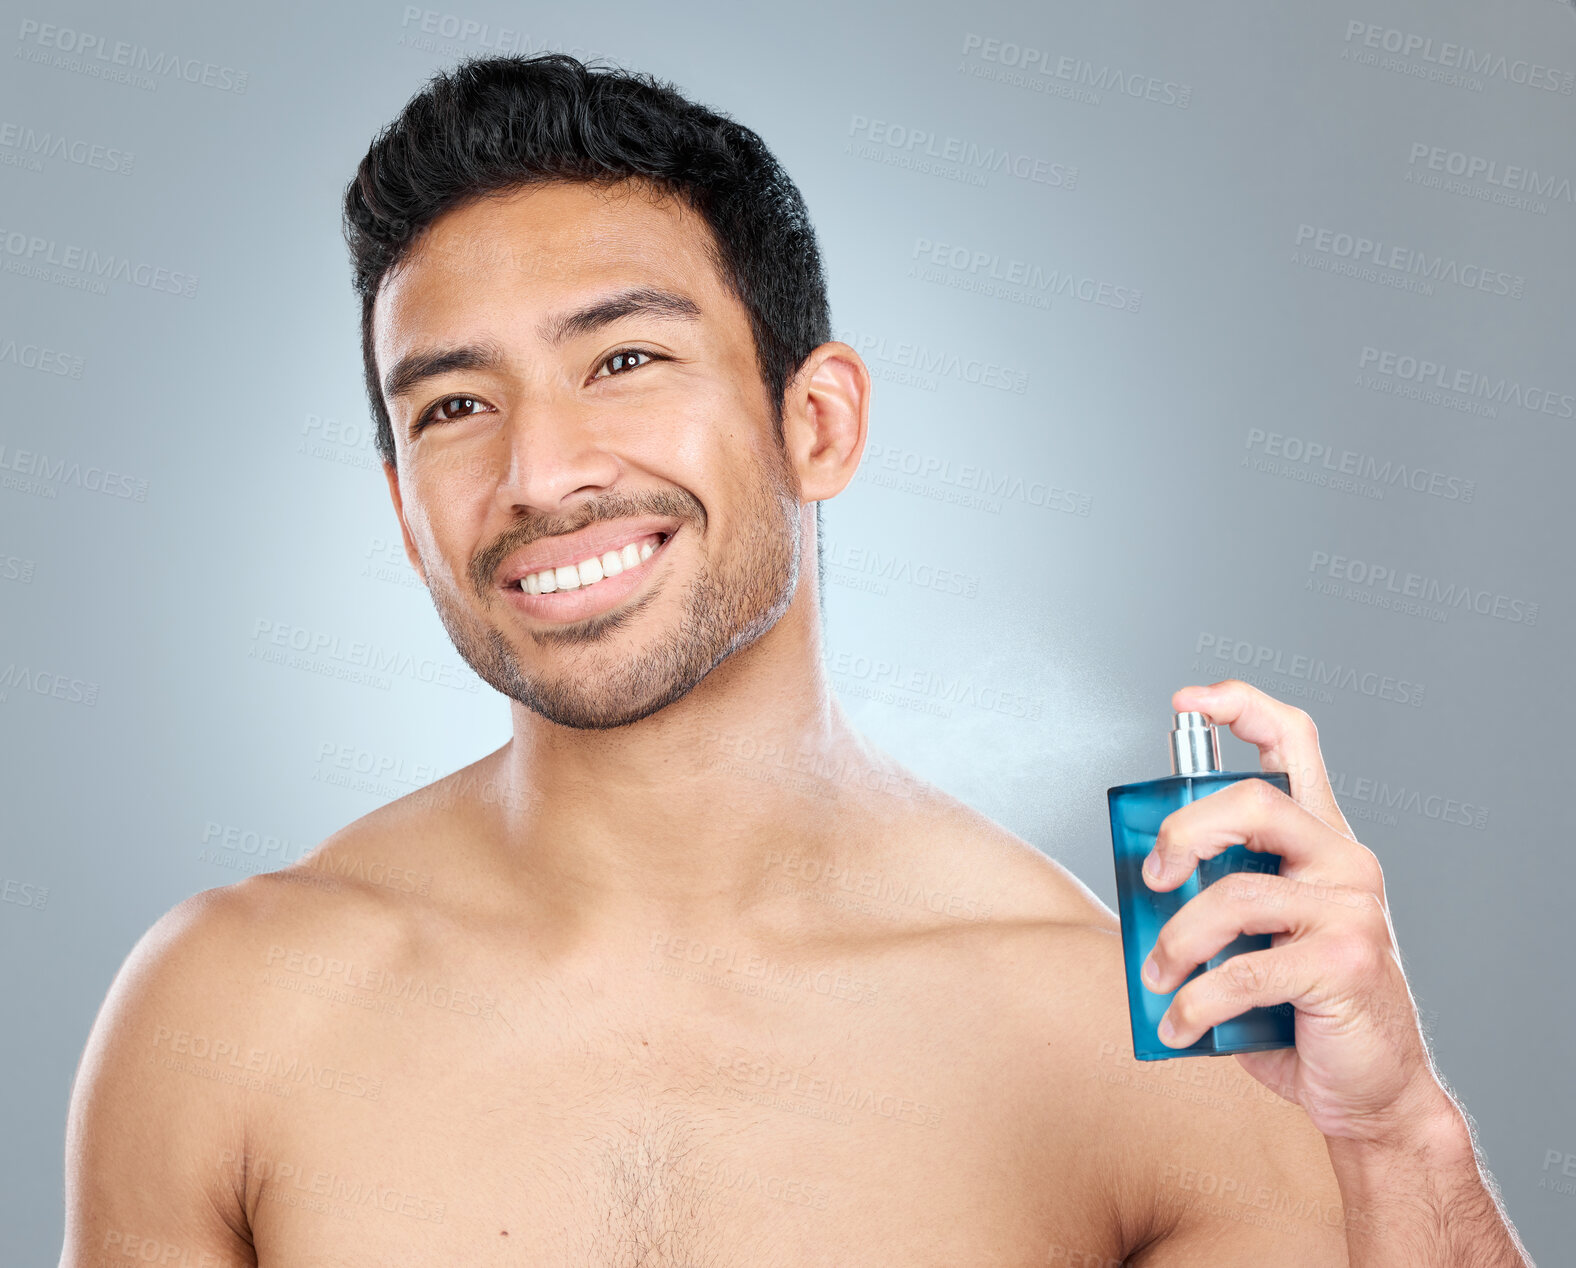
point(1338, 978)
point(1255, 813)
point(1285, 736)
point(1254, 979)
point(1247, 902)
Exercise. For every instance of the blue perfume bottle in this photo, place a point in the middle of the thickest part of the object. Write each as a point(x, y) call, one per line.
point(1136, 814)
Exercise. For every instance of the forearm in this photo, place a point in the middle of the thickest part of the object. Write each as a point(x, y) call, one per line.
point(1425, 1201)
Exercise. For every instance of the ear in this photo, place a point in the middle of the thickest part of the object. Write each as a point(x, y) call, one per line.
point(826, 415)
point(392, 476)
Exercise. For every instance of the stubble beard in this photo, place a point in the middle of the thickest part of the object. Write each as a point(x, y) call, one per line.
point(723, 610)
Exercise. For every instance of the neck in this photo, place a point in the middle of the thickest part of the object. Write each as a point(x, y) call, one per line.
point(679, 818)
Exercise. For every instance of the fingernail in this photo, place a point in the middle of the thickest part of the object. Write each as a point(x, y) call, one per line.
point(1150, 972)
point(1166, 1030)
point(1153, 868)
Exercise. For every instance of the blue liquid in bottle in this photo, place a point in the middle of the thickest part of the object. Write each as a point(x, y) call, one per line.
point(1136, 813)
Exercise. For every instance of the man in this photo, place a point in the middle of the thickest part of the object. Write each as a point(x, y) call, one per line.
point(688, 972)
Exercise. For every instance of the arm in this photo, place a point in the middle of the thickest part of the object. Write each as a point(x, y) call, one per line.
point(154, 1149)
point(1239, 1176)
point(1397, 1141)
point(1432, 1199)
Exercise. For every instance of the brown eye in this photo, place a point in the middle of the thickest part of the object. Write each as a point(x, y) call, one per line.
point(440, 413)
point(622, 361)
point(443, 406)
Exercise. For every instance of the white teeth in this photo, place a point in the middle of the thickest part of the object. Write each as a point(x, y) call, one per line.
point(588, 571)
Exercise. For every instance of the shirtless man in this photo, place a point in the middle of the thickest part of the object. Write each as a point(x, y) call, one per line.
point(688, 972)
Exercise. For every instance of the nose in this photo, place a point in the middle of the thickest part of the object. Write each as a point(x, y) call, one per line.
point(554, 453)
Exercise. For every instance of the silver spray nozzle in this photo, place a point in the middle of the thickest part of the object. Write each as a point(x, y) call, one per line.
point(1195, 745)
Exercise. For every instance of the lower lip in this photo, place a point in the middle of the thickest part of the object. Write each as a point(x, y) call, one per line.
point(584, 601)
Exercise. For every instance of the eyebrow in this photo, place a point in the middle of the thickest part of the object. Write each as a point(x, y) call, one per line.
point(416, 367)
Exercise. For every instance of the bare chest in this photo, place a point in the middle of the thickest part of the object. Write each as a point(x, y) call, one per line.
point(518, 1135)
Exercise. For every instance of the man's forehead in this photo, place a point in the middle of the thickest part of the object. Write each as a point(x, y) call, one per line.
point(557, 233)
point(541, 251)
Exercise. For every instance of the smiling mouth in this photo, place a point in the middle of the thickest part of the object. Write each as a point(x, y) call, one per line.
point(593, 571)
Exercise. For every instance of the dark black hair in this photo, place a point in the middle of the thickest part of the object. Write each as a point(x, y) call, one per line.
point(491, 124)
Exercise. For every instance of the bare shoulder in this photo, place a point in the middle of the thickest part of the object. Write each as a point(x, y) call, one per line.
point(148, 1136)
point(193, 1052)
point(204, 963)
point(1009, 879)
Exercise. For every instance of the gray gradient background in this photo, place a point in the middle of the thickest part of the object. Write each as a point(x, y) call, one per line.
point(245, 486)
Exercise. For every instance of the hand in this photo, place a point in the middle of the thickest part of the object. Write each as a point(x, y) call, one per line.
point(1360, 1068)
